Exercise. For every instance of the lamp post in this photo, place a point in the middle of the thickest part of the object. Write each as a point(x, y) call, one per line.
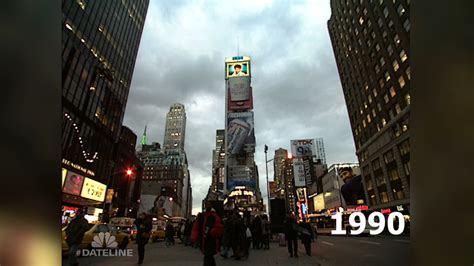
point(105, 209)
point(268, 184)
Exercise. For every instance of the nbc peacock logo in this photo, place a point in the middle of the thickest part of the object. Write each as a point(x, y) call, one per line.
point(104, 240)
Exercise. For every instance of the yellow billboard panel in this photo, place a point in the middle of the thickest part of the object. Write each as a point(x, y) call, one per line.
point(93, 190)
point(64, 176)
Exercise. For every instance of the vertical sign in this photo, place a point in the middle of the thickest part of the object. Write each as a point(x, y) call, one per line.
point(298, 172)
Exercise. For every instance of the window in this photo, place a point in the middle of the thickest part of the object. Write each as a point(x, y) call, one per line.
point(404, 147)
point(373, 35)
point(380, 22)
point(368, 182)
point(406, 167)
point(375, 92)
point(368, 118)
point(390, 50)
point(377, 69)
point(407, 99)
point(401, 81)
point(385, 12)
point(400, 10)
point(406, 25)
point(374, 114)
point(395, 65)
point(384, 122)
point(377, 47)
point(361, 20)
point(398, 109)
point(380, 180)
point(387, 76)
point(403, 56)
point(370, 98)
point(393, 175)
point(382, 61)
point(407, 71)
point(396, 39)
point(385, 97)
point(376, 164)
point(388, 157)
point(364, 124)
point(381, 83)
point(379, 107)
point(392, 92)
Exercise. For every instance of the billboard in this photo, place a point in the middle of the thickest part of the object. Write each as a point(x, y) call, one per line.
point(298, 172)
point(240, 175)
point(303, 147)
point(353, 190)
point(64, 173)
point(238, 68)
point(240, 133)
point(318, 201)
point(239, 94)
point(73, 183)
point(93, 190)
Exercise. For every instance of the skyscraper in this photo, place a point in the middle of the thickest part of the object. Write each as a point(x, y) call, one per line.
point(278, 170)
point(100, 42)
point(371, 42)
point(175, 130)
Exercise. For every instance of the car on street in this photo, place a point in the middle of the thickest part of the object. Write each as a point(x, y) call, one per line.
point(121, 238)
point(157, 232)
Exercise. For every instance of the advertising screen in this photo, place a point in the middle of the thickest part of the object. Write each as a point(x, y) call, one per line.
point(240, 133)
point(73, 183)
point(303, 147)
point(238, 69)
point(240, 175)
point(93, 190)
point(298, 172)
point(352, 190)
point(239, 93)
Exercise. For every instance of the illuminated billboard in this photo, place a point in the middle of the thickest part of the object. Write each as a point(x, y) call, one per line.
point(298, 173)
point(93, 190)
point(73, 183)
point(64, 173)
point(238, 66)
point(303, 147)
point(240, 133)
point(240, 175)
point(353, 190)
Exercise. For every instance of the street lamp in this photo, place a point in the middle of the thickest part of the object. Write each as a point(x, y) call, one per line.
point(128, 172)
point(268, 184)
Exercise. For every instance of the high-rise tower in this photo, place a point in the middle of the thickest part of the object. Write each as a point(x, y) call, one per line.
point(175, 130)
point(371, 42)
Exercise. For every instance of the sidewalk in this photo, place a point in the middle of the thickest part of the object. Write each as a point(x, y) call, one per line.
point(158, 254)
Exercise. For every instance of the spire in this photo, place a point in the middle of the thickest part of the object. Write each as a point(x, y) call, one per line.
point(143, 142)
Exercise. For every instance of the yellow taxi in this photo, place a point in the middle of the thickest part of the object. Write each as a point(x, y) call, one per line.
point(157, 232)
point(93, 237)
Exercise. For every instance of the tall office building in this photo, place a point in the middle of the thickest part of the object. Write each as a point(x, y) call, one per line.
point(371, 42)
point(278, 171)
point(100, 41)
point(320, 153)
point(175, 130)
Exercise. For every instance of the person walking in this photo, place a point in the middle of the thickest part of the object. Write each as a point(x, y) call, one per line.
point(307, 236)
point(229, 224)
point(291, 235)
point(207, 230)
point(144, 227)
point(169, 235)
point(74, 234)
point(256, 229)
point(187, 232)
point(265, 232)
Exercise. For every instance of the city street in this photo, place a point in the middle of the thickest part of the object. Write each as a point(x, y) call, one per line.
point(326, 251)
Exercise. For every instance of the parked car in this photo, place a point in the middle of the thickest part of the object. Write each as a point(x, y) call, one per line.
point(157, 232)
point(121, 238)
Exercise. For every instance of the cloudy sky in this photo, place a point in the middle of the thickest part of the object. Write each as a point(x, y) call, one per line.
point(296, 88)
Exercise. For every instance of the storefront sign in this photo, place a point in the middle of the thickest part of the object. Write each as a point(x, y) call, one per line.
point(93, 190)
point(78, 167)
point(362, 208)
point(384, 211)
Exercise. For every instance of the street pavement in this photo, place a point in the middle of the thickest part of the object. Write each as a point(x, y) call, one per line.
point(326, 251)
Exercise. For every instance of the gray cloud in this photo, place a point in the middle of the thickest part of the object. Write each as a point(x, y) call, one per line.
point(296, 87)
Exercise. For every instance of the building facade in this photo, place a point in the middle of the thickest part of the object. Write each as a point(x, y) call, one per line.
point(100, 42)
point(175, 129)
point(371, 43)
point(278, 171)
point(320, 153)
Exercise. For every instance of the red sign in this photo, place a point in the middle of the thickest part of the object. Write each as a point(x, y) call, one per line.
point(362, 208)
point(384, 211)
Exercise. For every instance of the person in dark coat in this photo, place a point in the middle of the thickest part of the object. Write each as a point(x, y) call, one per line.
point(239, 239)
point(144, 226)
point(265, 232)
point(291, 235)
point(229, 224)
point(169, 234)
point(187, 232)
point(256, 229)
point(307, 236)
point(74, 234)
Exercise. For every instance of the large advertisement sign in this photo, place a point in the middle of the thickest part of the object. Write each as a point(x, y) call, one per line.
point(73, 183)
point(298, 172)
point(93, 190)
point(238, 69)
point(240, 175)
point(353, 190)
point(64, 173)
point(239, 94)
point(240, 133)
point(303, 147)
point(318, 201)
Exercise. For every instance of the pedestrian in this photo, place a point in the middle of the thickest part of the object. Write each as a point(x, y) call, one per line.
point(248, 240)
point(144, 226)
point(169, 235)
point(187, 232)
point(307, 236)
point(229, 224)
point(207, 230)
point(239, 239)
point(74, 234)
point(179, 231)
point(291, 234)
point(256, 229)
point(265, 232)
